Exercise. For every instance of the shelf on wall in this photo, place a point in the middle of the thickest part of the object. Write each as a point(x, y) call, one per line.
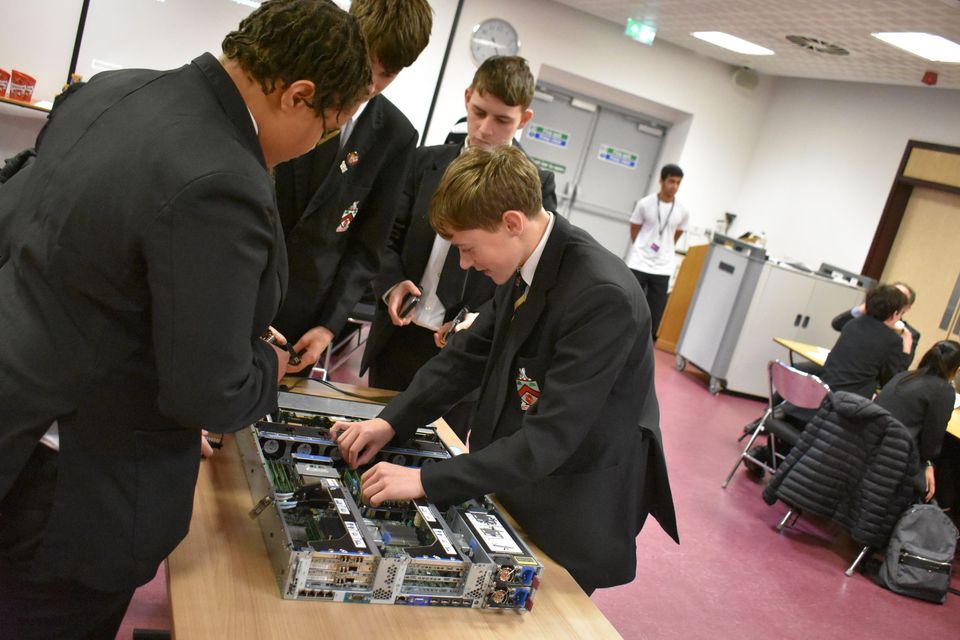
point(25, 105)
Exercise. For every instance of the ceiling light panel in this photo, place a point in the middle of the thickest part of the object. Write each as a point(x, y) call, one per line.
point(925, 45)
point(733, 43)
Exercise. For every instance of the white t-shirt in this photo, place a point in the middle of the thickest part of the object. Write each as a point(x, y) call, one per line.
point(652, 250)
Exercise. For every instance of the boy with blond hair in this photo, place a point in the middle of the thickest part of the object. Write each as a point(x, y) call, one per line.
point(566, 430)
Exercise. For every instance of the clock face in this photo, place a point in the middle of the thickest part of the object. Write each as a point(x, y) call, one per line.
point(494, 37)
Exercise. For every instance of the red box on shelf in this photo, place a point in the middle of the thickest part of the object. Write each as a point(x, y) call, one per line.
point(21, 86)
point(4, 81)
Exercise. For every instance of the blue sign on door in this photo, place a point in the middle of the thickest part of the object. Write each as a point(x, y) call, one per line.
point(547, 135)
point(621, 157)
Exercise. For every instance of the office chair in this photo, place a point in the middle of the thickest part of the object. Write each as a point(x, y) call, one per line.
point(855, 465)
point(802, 390)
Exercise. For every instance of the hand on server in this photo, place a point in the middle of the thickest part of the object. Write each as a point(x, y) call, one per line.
point(360, 441)
point(386, 481)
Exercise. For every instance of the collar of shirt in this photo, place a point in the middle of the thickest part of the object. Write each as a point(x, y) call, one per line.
point(529, 267)
point(347, 128)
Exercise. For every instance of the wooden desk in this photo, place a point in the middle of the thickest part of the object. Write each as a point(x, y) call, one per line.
point(813, 353)
point(222, 585)
point(818, 355)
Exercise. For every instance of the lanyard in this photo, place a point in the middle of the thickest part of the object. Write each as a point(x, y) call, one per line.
point(669, 213)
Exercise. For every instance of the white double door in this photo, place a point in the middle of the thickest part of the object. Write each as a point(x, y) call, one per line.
point(603, 158)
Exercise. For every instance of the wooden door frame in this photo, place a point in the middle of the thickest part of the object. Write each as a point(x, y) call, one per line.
point(896, 206)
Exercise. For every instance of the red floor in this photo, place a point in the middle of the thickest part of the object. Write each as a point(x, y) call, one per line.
point(733, 576)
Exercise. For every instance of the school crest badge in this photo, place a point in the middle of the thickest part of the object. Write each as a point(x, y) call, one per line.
point(347, 217)
point(527, 389)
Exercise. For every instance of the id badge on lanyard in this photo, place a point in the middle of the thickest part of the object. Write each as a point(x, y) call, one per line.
point(661, 226)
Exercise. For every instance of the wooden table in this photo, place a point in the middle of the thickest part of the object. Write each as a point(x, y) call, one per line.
point(222, 585)
point(813, 353)
point(819, 355)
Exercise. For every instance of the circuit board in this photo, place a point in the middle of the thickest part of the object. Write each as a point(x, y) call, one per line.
point(326, 544)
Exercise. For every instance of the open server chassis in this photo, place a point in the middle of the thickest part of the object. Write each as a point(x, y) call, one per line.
point(325, 544)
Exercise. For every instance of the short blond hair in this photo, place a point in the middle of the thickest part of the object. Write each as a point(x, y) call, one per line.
point(480, 185)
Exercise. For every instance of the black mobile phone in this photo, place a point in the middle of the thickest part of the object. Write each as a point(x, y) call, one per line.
point(456, 320)
point(409, 302)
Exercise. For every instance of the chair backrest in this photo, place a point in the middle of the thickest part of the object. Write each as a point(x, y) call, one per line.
point(803, 390)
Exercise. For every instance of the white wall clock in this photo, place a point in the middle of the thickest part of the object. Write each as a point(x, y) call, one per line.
point(493, 37)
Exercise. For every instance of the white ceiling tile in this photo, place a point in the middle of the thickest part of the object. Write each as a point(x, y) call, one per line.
point(846, 23)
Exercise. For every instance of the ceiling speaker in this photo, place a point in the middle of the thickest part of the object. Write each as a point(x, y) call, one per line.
point(746, 78)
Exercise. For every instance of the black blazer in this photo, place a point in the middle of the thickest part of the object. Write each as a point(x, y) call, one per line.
point(411, 240)
point(582, 467)
point(145, 262)
point(843, 318)
point(866, 355)
point(330, 268)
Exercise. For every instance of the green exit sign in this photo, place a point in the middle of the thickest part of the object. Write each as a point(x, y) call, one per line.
point(640, 31)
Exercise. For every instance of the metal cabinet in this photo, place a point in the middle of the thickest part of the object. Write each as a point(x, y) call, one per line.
point(736, 314)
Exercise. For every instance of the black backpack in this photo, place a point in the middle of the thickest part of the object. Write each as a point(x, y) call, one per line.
point(920, 553)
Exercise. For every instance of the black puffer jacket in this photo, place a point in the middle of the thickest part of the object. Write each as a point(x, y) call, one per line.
point(855, 464)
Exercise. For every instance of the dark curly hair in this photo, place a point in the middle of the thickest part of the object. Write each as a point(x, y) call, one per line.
point(288, 40)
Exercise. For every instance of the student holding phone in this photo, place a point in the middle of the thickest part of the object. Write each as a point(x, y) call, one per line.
point(419, 264)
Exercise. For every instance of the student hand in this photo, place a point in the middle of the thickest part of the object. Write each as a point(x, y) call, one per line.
point(386, 481)
point(395, 301)
point(440, 335)
point(310, 347)
point(931, 484)
point(907, 338)
point(360, 441)
point(283, 356)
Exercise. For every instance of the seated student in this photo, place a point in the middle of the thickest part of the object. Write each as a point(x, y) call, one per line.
point(867, 354)
point(842, 319)
point(566, 431)
point(923, 401)
point(870, 349)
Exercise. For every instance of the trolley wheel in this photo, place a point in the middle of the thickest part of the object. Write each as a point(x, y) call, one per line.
point(681, 363)
point(716, 385)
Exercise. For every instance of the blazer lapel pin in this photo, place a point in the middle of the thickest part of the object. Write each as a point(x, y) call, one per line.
point(527, 389)
point(347, 217)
